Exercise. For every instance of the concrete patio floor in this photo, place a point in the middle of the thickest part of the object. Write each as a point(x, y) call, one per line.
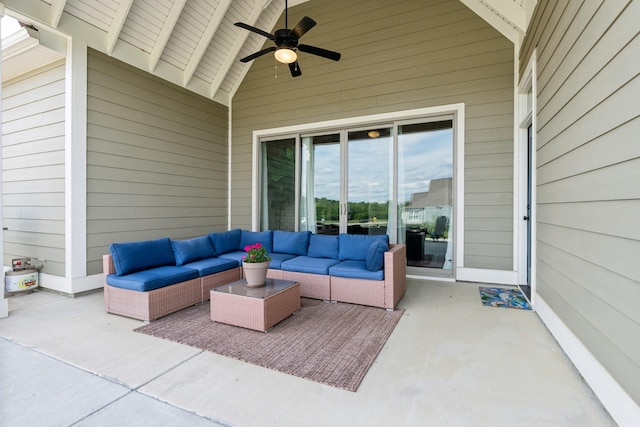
point(449, 362)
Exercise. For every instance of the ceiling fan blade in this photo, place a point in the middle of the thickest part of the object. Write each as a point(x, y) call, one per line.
point(294, 67)
point(257, 54)
point(329, 54)
point(303, 26)
point(255, 30)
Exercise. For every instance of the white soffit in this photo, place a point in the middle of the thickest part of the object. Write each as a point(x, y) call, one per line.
point(23, 52)
point(510, 17)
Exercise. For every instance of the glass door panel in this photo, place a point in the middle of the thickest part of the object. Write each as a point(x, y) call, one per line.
point(369, 160)
point(277, 203)
point(425, 193)
point(320, 184)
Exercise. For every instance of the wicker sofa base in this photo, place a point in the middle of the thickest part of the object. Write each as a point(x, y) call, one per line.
point(218, 279)
point(314, 286)
point(154, 304)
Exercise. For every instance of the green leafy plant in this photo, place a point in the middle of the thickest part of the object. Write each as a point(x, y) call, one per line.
point(256, 253)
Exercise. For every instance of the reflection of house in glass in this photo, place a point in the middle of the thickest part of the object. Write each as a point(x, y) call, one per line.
point(427, 217)
point(424, 208)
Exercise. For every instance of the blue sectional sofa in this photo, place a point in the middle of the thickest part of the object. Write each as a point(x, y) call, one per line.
point(152, 278)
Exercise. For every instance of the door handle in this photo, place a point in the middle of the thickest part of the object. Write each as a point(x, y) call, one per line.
point(526, 218)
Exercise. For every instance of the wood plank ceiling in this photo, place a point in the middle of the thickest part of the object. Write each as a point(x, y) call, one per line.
point(193, 43)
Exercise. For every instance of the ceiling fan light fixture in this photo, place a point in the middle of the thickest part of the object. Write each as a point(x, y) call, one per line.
point(286, 55)
point(373, 134)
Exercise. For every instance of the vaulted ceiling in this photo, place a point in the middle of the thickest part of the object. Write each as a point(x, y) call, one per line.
point(194, 43)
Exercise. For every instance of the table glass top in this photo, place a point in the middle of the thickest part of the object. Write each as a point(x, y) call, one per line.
point(272, 286)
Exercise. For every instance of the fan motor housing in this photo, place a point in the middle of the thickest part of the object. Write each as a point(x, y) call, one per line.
point(284, 38)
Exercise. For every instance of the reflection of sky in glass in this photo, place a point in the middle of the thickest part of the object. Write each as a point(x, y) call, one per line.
point(422, 157)
point(369, 170)
point(327, 171)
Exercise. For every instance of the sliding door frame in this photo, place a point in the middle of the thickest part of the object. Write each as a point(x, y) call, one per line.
point(457, 111)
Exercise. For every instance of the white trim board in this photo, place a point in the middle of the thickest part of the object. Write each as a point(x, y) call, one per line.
point(501, 277)
point(458, 112)
point(622, 408)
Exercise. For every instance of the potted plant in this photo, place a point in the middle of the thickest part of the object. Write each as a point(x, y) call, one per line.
point(255, 265)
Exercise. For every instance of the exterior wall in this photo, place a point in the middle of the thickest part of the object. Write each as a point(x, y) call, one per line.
point(156, 159)
point(588, 165)
point(33, 174)
point(396, 55)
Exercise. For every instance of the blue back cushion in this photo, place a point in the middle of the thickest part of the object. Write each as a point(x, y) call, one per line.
point(323, 246)
point(130, 257)
point(354, 246)
point(186, 251)
point(265, 238)
point(227, 241)
point(374, 259)
point(291, 242)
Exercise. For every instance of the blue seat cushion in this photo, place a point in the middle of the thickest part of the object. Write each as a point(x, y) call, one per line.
point(130, 257)
point(305, 264)
point(208, 266)
point(186, 251)
point(374, 260)
point(354, 246)
point(355, 270)
point(151, 279)
point(277, 260)
point(291, 242)
point(226, 241)
point(265, 238)
point(234, 255)
point(323, 246)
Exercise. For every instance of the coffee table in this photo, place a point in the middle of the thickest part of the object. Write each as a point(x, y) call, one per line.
point(255, 308)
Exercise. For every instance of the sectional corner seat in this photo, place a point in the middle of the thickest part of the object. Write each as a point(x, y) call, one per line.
point(149, 279)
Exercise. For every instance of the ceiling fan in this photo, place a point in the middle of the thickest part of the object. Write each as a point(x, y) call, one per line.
point(286, 43)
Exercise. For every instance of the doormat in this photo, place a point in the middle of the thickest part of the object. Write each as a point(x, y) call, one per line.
point(500, 297)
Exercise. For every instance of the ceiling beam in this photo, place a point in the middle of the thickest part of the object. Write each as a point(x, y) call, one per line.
point(205, 40)
point(165, 33)
point(230, 58)
point(116, 25)
point(268, 26)
point(57, 7)
point(38, 11)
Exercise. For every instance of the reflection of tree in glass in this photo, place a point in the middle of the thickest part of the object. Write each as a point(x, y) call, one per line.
point(359, 212)
point(280, 157)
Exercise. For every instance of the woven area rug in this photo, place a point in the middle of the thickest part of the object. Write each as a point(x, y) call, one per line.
point(500, 297)
point(333, 344)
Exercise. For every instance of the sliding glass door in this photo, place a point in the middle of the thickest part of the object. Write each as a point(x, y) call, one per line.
point(425, 193)
point(320, 207)
point(394, 179)
point(368, 181)
point(278, 178)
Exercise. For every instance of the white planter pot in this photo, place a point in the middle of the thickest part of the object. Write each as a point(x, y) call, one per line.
point(255, 273)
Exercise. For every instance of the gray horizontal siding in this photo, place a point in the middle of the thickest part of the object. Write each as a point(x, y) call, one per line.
point(33, 175)
point(588, 164)
point(156, 159)
point(397, 55)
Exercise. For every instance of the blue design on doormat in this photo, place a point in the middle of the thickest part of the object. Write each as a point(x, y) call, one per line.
point(500, 297)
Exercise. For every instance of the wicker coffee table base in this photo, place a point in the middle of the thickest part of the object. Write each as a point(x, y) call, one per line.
point(256, 313)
